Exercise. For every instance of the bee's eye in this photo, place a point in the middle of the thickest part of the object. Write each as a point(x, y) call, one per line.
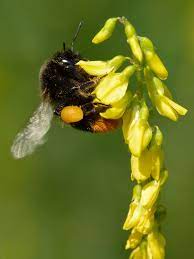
point(66, 63)
point(71, 114)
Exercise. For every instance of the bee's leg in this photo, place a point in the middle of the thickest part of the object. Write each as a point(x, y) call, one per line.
point(90, 85)
point(94, 109)
point(58, 109)
point(85, 88)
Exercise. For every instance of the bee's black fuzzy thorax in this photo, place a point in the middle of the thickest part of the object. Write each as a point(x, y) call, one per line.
point(60, 76)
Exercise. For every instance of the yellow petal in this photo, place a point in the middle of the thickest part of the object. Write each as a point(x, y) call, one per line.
point(126, 124)
point(132, 40)
point(146, 223)
point(134, 239)
point(135, 48)
point(178, 108)
point(113, 87)
point(134, 215)
point(137, 132)
point(141, 166)
point(152, 59)
point(101, 68)
point(156, 245)
point(157, 162)
point(147, 136)
point(150, 194)
point(106, 32)
point(117, 110)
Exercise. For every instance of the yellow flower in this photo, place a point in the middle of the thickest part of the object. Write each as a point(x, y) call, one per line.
point(146, 221)
point(141, 166)
point(106, 31)
point(134, 239)
point(101, 68)
point(113, 87)
point(156, 245)
point(136, 254)
point(161, 97)
point(157, 154)
point(136, 129)
point(118, 108)
point(140, 252)
point(135, 209)
point(150, 193)
point(151, 160)
point(152, 58)
point(132, 39)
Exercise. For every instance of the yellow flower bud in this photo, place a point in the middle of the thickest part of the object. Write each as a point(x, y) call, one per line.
point(163, 177)
point(151, 160)
point(140, 252)
point(135, 209)
point(157, 153)
point(132, 40)
point(113, 87)
point(146, 222)
point(134, 239)
point(106, 31)
point(150, 193)
point(117, 110)
point(161, 98)
point(141, 166)
point(152, 58)
point(136, 254)
point(156, 245)
point(136, 130)
point(101, 68)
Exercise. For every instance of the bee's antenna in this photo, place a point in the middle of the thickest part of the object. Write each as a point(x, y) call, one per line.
point(76, 34)
point(64, 46)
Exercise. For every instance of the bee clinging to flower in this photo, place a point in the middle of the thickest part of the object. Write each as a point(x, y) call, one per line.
point(68, 84)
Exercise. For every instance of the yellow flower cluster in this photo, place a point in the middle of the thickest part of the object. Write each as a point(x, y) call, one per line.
point(144, 140)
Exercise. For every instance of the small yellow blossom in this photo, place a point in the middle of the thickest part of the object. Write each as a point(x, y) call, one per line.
point(152, 58)
point(134, 239)
point(156, 245)
point(106, 31)
point(141, 166)
point(135, 209)
point(157, 154)
point(101, 68)
point(118, 108)
point(146, 221)
point(113, 87)
point(136, 129)
point(150, 193)
point(140, 252)
point(151, 160)
point(161, 97)
point(132, 39)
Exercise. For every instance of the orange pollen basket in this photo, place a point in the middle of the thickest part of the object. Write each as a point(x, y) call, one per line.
point(71, 114)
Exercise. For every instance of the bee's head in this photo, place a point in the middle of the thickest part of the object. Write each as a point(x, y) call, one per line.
point(66, 59)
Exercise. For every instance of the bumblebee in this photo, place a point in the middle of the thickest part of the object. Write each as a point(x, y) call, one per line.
point(66, 92)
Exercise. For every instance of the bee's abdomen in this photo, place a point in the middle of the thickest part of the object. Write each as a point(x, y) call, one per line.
point(105, 125)
point(97, 124)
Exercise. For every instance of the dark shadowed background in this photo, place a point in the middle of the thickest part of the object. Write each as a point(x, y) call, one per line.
point(70, 198)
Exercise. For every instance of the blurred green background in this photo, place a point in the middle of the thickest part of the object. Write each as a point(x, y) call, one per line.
point(70, 198)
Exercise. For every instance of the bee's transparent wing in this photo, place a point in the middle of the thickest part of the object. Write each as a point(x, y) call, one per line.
point(32, 136)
